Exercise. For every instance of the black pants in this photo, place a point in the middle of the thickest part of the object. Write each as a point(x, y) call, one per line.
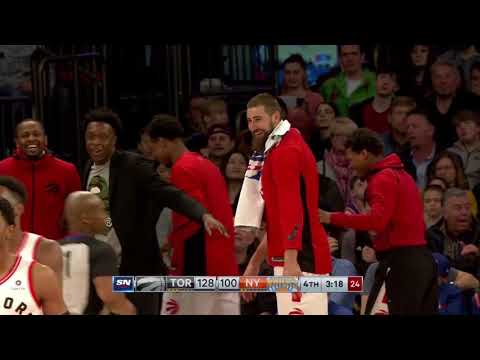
point(146, 304)
point(410, 276)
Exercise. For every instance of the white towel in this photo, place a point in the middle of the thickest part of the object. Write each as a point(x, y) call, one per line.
point(251, 204)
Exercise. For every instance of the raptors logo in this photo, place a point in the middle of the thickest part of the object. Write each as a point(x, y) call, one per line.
point(296, 312)
point(172, 307)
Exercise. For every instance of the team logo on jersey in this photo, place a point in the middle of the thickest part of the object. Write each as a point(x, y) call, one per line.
point(18, 286)
point(172, 307)
point(18, 283)
point(52, 188)
point(296, 312)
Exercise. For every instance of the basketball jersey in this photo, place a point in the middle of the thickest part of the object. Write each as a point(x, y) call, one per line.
point(29, 246)
point(17, 295)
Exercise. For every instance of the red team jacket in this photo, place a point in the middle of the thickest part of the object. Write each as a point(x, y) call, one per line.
point(202, 180)
point(48, 182)
point(290, 187)
point(396, 208)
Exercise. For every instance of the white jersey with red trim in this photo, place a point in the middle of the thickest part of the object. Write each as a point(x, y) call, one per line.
point(17, 295)
point(29, 246)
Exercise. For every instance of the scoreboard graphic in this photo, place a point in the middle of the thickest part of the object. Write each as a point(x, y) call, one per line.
point(258, 284)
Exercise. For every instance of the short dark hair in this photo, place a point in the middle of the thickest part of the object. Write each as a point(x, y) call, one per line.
point(165, 126)
point(295, 59)
point(104, 115)
point(386, 70)
point(7, 212)
point(28, 120)
point(365, 139)
point(361, 47)
point(465, 116)
point(475, 66)
point(14, 186)
point(353, 181)
point(423, 112)
point(436, 188)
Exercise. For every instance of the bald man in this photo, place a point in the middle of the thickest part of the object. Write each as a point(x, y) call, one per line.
point(28, 245)
point(89, 264)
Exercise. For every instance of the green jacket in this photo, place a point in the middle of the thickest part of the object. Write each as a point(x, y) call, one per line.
point(334, 90)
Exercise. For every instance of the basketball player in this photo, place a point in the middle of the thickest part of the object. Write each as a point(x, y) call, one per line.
point(29, 246)
point(196, 251)
point(26, 287)
point(296, 242)
point(90, 263)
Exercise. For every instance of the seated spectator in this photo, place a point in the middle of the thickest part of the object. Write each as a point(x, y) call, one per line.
point(467, 124)
point(244, 142)
point(216, 113)
point(475, 79)
point(436, 181)
point(301, 116)
point(341, 267)
point(450, 297)
point(322, 130)
point(373, 114)
point(353, 85)
point(220, 143)
point(458, 236)
point(234, 170)
point(395, 139)
point(357, 203)
point(197, 129)
point(420, 134)
point(463, 56)
point(416, 81)
point(433, 205)
point(448, 166)
point(335, 164)
point(446, 101)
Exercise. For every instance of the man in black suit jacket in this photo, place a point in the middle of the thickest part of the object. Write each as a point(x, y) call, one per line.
point(134, 195)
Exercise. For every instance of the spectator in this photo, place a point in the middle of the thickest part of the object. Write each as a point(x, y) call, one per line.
point(48, 180)
point(131, 189)
point(416, 82)
point(475, 79)
point(446, 101)
point(220, 143)
point(448, 166)
point(353, 85)
point(420, 134)
point(335, 164)
point(467, 124)
point(341, 267)
point(322, 130)
point(302, 115)
point(450, 297)
point(374, 113)
point(244, 142)
point(196, 126)
point(436, 181)
point(234, 171)
point(395, 139)
point(458, 236)
point(433, 205)
point(216, 113)
point(144, 146)
point(463, 56)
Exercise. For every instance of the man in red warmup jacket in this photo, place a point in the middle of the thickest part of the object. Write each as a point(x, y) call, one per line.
point(405, 282)
point(48, 180)
point(196, 252)
point(296, 242)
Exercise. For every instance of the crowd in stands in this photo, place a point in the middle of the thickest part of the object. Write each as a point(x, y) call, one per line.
point(428, 115)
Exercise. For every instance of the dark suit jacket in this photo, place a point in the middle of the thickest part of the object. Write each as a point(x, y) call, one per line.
point(137, 196)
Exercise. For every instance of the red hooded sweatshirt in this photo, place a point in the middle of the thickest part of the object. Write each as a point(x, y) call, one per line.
point(48, 181)
point(396, 213)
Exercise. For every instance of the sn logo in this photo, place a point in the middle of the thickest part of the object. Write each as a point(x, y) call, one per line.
point(123, 284)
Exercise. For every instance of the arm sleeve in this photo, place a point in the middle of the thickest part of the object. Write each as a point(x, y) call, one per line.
point(286, 174)
point(382, 203)
point(165, 194)
point(104, 260)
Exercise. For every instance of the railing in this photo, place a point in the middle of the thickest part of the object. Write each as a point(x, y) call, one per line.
point(12, 110)
point(43, 86)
